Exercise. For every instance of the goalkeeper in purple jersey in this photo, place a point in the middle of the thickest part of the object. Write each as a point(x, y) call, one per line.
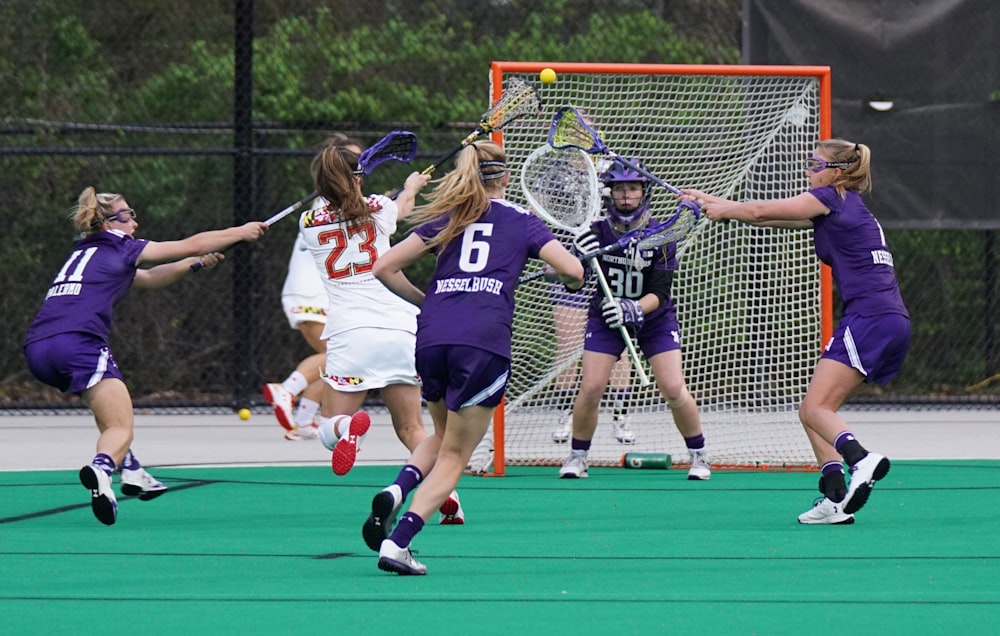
point(67, 345)
point(873, 335)
point(463, 350)
point(640, 288)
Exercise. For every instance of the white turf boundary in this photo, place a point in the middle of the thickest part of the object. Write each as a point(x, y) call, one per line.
point(64, 442)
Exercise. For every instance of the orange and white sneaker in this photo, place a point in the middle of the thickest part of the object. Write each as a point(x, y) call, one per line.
point(451, 513)
point(345, 451)
point(281, 400)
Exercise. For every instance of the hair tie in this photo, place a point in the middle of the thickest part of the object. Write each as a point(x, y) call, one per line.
point(492, 175)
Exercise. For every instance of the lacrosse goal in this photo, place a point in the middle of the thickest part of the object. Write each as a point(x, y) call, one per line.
point(754, 304)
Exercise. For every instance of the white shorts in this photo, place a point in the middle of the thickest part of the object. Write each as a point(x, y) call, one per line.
point(300, 309)
point(370, 358)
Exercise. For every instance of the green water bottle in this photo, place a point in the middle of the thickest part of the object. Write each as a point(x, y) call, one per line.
point(646, 460)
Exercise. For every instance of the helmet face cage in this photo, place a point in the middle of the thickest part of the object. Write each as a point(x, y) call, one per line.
point(618, 173)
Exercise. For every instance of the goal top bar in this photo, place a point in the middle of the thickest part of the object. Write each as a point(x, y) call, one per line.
point(660, 69)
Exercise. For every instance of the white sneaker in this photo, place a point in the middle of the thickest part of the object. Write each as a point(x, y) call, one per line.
point(701, 468)
point(623, 429)
point(864, 474)
point(392, 558)
point(575, 466)
point(451, 513)
point(385, 507)
point(281, 400)
point(102, 498)
point(140, 483)
point(302, 432)
point(564, 429)
point(826, 511)
point(345, 451)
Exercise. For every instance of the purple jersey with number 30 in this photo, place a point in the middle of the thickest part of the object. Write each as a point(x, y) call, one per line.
point(470, 300)
point(93, 279)
point(851, 241)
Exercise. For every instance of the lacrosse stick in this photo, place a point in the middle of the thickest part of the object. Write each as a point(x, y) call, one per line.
point(398, 145)
point(570, 130)
point(516, 101)
point(673, 230)
point(562, 188)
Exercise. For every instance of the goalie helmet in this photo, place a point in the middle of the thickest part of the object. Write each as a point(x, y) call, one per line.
point(625, 219)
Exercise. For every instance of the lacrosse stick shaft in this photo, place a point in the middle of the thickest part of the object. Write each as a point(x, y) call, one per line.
point(629, 345)
point(271, 220)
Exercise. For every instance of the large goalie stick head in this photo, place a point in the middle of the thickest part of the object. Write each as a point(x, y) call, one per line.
point(561, 186)
point(398, 145)
point(570, 130)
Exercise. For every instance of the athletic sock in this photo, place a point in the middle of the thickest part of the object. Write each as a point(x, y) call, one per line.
point(696, 442)
point(295, 383)
point(832, 483)
point(407, 528)
point(408, 478)
point(849, 448)
point(104, 462)
point(130, 462)
point(582, 445)
point(305, 412)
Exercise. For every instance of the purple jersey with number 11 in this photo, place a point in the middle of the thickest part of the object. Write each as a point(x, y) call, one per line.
point(470, 300)
point(93, 279)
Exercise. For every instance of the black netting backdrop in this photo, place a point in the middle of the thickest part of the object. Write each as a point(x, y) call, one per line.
point(207, 115)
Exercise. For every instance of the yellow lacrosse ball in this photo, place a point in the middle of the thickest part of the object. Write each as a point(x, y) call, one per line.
point(244, 414)
point(547, 76)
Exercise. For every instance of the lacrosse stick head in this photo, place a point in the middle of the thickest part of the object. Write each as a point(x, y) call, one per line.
point(561, 186)
point(626, 217)
point(569, 129)
point(518, 100)
point(398, 145)
point(672, 230)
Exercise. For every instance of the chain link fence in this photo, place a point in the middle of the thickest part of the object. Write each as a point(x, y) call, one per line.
point(207, 115)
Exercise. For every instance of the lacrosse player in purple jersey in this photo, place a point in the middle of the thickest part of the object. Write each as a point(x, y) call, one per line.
point(482, 243)
point(306, 305)
point(873, 335)
point(67, 344)
point(640, 286)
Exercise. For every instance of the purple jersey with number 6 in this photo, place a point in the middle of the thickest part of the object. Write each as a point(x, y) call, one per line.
point(90, 283)
point(470, 300)
point(851, 242)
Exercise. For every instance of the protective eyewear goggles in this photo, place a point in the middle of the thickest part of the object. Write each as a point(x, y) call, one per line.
point(815, 164)
point(122, 216)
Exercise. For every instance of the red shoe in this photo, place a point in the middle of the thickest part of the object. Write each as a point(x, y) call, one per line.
point(451, 511)
point(281, 400)
point(345, 451)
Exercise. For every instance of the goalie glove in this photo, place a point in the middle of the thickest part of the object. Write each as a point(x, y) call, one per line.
point(586, 243)
point(622, 311)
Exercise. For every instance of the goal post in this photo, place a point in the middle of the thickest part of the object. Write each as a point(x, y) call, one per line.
point(754, 304)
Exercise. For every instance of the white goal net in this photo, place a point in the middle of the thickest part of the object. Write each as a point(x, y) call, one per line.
point(749, 299)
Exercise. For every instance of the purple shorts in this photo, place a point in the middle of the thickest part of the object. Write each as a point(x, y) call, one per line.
point(462, 376)
point(655, 337)
point(71, 362)
point(874, 345)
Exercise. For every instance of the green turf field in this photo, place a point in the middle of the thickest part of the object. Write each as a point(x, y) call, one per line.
point(279, 551)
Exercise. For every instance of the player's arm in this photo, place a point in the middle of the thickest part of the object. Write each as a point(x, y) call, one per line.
point(201, 243)
point(406, 201)
point(389, 268)
point(792, 212)
point(167, 273)
point(567, 266)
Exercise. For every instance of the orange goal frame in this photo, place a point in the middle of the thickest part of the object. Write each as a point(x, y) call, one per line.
point(822, 73)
